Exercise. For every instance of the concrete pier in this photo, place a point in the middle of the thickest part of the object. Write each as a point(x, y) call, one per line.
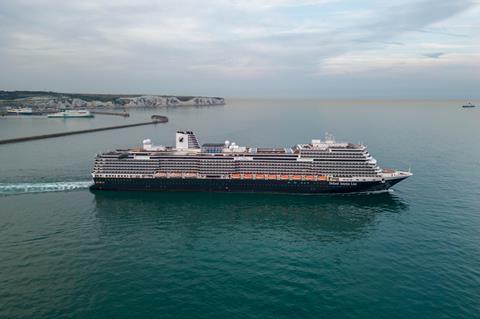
point(163, 119)
point(124, 114)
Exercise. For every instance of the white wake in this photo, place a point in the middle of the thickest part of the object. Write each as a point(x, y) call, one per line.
point(23, 188)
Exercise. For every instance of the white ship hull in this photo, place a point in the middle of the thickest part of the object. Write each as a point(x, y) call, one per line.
point(71, 114)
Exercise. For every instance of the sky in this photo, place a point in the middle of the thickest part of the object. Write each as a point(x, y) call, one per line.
point(405, 49)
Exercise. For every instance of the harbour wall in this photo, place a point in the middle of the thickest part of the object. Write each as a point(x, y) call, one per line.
point(124, 114)
point(157, 120)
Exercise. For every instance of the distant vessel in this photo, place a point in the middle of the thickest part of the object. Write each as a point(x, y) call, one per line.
point(19, 111)
point(468, 105)
point(159, 118)
point(322, 166)
point(71, 113)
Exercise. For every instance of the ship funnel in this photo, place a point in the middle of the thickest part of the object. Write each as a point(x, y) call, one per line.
point(186, 140)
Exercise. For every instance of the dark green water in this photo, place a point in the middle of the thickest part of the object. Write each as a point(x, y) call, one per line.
point(410, 253)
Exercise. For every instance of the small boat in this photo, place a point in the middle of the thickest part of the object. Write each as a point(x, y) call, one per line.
point(468, 105)
point(71, 113)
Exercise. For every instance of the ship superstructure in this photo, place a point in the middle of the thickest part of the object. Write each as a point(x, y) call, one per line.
point(317, 167)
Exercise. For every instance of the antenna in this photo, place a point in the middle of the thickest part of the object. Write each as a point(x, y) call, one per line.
point(329, 137)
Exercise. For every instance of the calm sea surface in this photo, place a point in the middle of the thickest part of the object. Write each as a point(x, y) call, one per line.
point(410, 253)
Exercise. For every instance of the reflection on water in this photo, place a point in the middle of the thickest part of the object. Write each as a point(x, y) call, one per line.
point(345, 215)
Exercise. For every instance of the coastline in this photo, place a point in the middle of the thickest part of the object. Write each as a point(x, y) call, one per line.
point(53, 100)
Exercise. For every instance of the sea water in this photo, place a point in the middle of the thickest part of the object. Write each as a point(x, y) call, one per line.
point(412, 252)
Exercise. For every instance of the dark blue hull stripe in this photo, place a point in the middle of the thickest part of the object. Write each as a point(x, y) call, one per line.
point(229, 185)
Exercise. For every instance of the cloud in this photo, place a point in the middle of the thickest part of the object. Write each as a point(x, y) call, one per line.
point(394, 64)
point(225, 40)
point(272, 4)
point(434, 55)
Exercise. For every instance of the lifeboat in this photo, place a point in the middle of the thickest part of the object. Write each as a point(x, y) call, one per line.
point(248, 176)
point(283, 176)
point(190, 175)
point(175, 175)
point(296, 177)
point(271, 176)
point(309, 177)
point(235, 176)
point(260, 176)
point(160, 174)
point(322, 178)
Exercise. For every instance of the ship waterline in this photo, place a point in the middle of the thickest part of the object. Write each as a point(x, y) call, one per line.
point(322, 166)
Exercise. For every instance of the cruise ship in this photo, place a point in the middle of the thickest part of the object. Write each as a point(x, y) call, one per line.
point(322, 166)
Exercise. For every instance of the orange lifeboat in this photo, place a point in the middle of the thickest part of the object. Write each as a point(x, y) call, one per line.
point(283, 176)
point(271, 176)
point(322, 178)
point(309, 177)
point(260, 176)
point(235, 176)
point(296, 177)
point(248, 176)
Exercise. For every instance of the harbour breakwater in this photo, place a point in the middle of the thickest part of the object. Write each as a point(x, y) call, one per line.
point(155, 120)
point(124, 114)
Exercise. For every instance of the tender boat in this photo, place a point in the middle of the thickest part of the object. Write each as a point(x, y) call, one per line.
point(468, 105)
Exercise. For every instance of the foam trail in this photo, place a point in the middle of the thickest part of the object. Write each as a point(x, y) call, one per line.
point(23, 188)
